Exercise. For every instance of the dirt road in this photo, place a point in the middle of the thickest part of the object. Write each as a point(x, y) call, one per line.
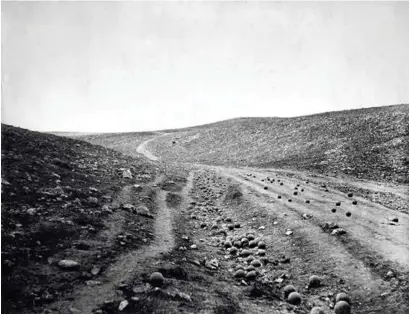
point(370, 262)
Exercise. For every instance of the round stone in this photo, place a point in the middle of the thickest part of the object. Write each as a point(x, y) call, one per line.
point(314, 281)
point(342, 307)
point(261, 245)
point(239, 273)
point(227, 244)
point(342, 296)
point(333, 210)
point(317, 310)
point(294, 298)
point(261, 252)
point(348, 214)
point(251, 275)
point(233, 251)
point(249, 259)
point(256, 263)
point(288, 289)
point(245, 253)
point(252, 243)
point(156, 279)
point(237, 244)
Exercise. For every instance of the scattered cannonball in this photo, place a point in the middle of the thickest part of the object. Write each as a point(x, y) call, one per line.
point(350, 194)
point(338, 204)
point(342, 307)
point(348, 214)
point(239, 273)
point(314, 281)
point(233, 250)
point(261, 245)
point(227, 244)
point(256, 263)
point(317, 310)
point(156, 279)
point(245, 253)
point(334, 210)
point(294, 298)
point(250, 236)
point(237, 244)
point(251, 275)
point(354, 202)
point(342, 296)
point(249, 259)
point(307, 201)
point(252, 243)
point(261, 252)
point(288, 289)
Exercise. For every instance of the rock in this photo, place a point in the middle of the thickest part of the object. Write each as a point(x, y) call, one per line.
point(245, 253)
point(68, 264)
point(123, 305)
point(31, 211)
point(342, 307)
point(137, 187)
point(338, 204)
point(394, 219)
point(251, 275)
point(127, 174)
point(350, 194)
point(317, 310)
point(239, 273)
point(156, 279)
point(261, 252)
point(261, 228)
point(288, 233)
point(354, 202)
point(252, 244)
point(233, 250)
point(95, 270)
point(256, 263)
point(307, 201)
point(334, 210)
point(193, 247)
point(287, 290)
point(227, 244)
point(294, 298)
point(92, 200)
point(348, 214)
point(314, 281)
point(342, 296)
point(93, 283)
point(212, 264)
point(143, 211)
point(338, 232)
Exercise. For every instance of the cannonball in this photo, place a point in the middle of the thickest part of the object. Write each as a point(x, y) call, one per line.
point(342, 307)
point(288, 289)
point(314, 281)
point(156, 279)
point(342, 296)
point(317, 310)
point(294, 298)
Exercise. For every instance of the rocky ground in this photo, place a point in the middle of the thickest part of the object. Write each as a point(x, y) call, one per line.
point(81, 236)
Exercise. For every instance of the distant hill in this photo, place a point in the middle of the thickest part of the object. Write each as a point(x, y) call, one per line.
point(366, 143)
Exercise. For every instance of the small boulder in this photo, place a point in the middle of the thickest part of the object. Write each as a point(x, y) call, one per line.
point(294, 298)
point(68, 264)
point(342, 307)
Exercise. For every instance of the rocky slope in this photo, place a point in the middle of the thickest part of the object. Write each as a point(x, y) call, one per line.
point(367, 143)
point(62, 214)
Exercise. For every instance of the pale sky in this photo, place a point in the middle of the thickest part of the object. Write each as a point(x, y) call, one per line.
point(134, 66)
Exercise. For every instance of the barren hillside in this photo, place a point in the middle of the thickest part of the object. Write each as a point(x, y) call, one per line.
point(366, 143)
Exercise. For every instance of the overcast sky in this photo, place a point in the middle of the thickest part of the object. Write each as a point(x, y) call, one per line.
point(132, 66)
